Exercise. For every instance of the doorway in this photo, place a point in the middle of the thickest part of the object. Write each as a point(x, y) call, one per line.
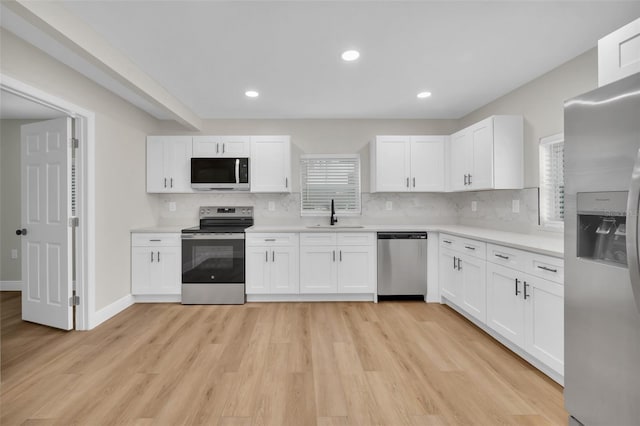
point(43, 116)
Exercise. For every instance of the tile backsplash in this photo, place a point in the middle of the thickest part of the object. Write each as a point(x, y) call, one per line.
point(494, 209)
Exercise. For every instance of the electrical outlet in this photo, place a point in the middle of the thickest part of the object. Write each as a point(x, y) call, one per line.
point(172, 206)
point(515, 206)
point(389, 205)
point(14, 253)
point(474, 206)
point(272, 206)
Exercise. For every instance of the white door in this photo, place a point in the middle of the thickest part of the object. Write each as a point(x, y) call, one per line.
point(544, 319)
point(427, 163)
point(474, 289)
point(284, 270)
point(177, 163)
point(356, 269)
point(257, 270)
point(392, 163)
point(505, 302)
point(461, 160)
point(449, 275)
point(206, 146)
point(156, 177)
point(482, 136)
point(169, 262)
point(141, 264)
point(318, 269)
point(270, 164)
point(235, 146)
point(46, 207)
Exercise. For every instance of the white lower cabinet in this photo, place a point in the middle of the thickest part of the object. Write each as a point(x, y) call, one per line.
point(337, 263)
point(272, 264)
point(473, 292)
point(505, 303)
point(450, 279)
point(155, 264)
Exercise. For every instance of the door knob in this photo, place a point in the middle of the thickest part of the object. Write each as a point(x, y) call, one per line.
point(21, 231)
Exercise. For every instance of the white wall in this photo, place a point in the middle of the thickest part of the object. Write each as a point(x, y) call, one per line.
point(121, 128)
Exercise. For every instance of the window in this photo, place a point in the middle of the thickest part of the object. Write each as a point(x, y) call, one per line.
point(552, 181)
point(329, 177)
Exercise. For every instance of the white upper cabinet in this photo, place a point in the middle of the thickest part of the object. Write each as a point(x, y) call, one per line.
point(221, 146)
point(488, 155)
point(619, 54)
point(169, 163)
point(408, 163)
point(270, 164)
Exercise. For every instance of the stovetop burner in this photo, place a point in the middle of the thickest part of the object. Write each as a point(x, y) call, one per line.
point(222, 219)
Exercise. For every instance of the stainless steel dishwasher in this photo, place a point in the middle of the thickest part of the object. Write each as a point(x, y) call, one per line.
point(402, 264)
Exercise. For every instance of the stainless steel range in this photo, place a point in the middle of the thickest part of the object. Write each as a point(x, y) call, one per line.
point(213, 258)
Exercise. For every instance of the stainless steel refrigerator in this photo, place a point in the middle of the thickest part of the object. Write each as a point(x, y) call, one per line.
point(602, 276)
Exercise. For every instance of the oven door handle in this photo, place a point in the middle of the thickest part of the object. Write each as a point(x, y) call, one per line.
point(223, 236)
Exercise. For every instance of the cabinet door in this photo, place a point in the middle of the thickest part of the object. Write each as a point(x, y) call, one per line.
point(235, 146)
point(356, 269)
point(156, 178)
point(168, 262)
point(141, 270)
point(392, 163)
point(318, 269)
point(461, 160)
point(427, 163)
point(177, 161)
point(285, 276)
point(482, 137)
point(544, 320)
point(505, 308)
point(270, 164)
point(257, 270)
point(206, 146)
point(473, 296)
point(449, 275)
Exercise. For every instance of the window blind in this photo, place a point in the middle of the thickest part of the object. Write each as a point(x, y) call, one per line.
point(552, 180)
point(327, 177)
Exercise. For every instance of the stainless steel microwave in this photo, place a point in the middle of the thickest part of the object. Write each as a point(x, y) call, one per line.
point(208, 174)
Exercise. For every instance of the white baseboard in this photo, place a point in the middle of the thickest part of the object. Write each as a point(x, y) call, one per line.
point(367, 297)
point(111, 310)
point(10, 285)
point(157, 298)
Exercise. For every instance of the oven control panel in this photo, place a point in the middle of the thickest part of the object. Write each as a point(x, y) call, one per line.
point(221, 212)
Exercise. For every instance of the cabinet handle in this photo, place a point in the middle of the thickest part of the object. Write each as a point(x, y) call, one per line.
point(155, 240)
point(446, 241)
point(454, 263)
point(525, 290)
point(407, 182)
point(465, 180)
point(269, 239)
point(273, 256)
point(266, 255)
point(469, 247)
point(217, 148)
point(334, 255)
point(171, 182)
point(158, 256)
point(544, 268)
point(459, 264)
point(501, 256)
point(165, 182)
point(469, 178)
point(414, 182)
point(340, 255)
point(151, 257)
point(517, 291)
point(286, 182)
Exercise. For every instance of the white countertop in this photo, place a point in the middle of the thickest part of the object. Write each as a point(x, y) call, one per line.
point(549, 245)
point(159, 229)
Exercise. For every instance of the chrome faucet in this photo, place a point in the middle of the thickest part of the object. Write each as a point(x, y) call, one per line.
point(334, 219)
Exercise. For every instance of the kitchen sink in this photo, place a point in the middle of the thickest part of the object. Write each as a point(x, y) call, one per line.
point(335, 226)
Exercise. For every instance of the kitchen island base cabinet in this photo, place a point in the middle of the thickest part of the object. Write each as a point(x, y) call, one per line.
point(272, 264)
point(155, 265)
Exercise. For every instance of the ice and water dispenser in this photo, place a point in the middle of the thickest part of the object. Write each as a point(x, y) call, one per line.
point(602, 226)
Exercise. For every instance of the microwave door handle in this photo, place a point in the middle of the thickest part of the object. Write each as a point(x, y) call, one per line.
point(237, 170)
point(633, 204)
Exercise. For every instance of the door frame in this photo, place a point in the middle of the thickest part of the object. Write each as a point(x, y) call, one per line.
point(84, 129)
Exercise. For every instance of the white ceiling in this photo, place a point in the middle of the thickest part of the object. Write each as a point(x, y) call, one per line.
point(16, 107)
point(207, 53)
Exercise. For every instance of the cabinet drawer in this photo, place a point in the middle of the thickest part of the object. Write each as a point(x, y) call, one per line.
point(473, 248)
point(356, 238)
point(318, 239)
point(447, 241)
point(507, 256)
point(257, 240)
point(155, 240)
point(547, 267)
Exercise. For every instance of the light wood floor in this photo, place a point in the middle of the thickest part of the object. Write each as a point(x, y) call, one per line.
point(394, 363)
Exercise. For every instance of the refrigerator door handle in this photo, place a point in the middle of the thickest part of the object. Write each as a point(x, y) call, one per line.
point(633, 203)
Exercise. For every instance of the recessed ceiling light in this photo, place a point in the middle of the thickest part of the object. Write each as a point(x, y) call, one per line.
point(424, 95)
point(350, 55)
point(251, 94)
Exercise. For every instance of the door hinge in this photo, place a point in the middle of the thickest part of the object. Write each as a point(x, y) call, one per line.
point(74, 300)
point(75, 143)
point(74, 222)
